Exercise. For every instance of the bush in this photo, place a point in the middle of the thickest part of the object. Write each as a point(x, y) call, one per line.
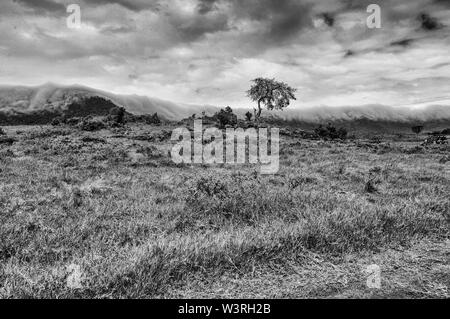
point(331, 132)
point(117, 115)
point(7, 140)
point(446, 131)
point(57, 121)
point(236, 199)
point(73, 120)
point(226, 117)
point(417, 129)
point(153, 119)
point(90, 125)
point(435, 139)
point(146, 118)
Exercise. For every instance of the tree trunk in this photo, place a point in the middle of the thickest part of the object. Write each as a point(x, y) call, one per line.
point(258, 114)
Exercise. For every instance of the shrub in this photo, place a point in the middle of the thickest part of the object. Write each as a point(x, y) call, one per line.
point(226, 117)
point(236, 199)
point(370, 187)
point(7, 140)
point(248, 116)
point(446, 131)
point(73, 120)
point(297, 181)
point(117, 115)
point(417, 129)
point(90, 125)
point(435, 139)
point(331, 132)
point(57, 121)
point(153, 119)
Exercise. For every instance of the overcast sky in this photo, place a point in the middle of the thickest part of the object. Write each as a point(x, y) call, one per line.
point(207, 51)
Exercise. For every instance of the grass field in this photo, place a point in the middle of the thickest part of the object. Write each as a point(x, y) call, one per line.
point(108, 215)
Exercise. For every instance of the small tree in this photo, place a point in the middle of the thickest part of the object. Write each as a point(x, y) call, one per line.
point(248, 116)
point(417, 129)
point(117, 115)
point(120, 119)
point(271, 94)
point(331, 132)
point(152, 119)
point(226, 117)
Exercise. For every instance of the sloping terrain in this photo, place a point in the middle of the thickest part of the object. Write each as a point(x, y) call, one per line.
point(50, 98)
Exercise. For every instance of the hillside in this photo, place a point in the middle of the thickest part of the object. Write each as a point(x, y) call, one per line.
point(42, 101)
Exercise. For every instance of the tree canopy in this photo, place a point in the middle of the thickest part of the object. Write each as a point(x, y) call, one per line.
point(271, 93)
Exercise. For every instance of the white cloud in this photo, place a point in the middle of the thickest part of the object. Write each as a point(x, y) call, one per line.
point(174, 50)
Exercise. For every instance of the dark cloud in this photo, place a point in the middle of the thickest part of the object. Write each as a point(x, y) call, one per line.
point(328, 18)
point(360, 4)
point(133, 5)
point(402, 43)
point(192, 28)
point(429, 23)
point(205, 6)
point(283, 18)
point(440, 65)
point(42, 6)
point(349, 53)
point(122, 29)
point(443, 2)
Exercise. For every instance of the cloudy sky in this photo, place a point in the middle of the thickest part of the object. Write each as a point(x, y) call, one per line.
point(207, 51)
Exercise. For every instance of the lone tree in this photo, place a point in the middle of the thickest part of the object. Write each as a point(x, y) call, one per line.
point(271, 94)
point(417, 129)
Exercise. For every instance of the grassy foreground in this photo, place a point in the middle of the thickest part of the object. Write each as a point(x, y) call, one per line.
point(108, 215)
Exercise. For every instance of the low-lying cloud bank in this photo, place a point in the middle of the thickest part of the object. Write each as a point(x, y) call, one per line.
point(52, 96)
point(371, 112)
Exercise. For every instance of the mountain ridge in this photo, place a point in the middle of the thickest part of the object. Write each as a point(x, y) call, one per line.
point(56, 97)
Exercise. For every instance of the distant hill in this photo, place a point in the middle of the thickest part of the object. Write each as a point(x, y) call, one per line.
point(42, 102)
point(38, 105)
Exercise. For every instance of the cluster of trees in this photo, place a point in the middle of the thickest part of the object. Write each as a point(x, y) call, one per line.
point(115, 117)
point(331, 132)
point(226, 117)
point(152, 119)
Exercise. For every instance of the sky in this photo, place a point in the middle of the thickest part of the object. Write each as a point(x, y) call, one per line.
point(207, 51)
